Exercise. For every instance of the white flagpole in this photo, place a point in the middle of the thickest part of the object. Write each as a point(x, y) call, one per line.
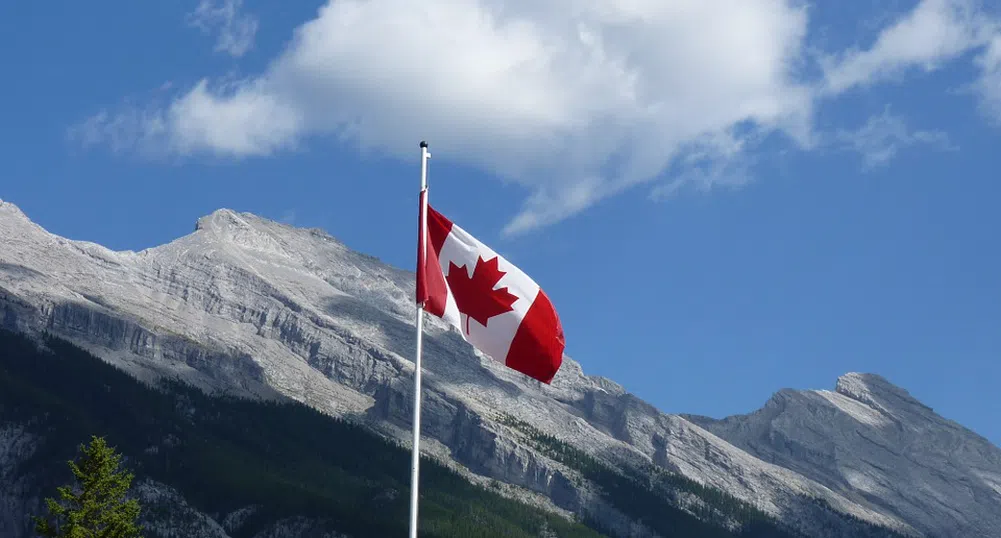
point(416, 455)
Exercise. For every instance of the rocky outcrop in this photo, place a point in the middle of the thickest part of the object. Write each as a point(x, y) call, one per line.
point(166, 513)
point(263, 309)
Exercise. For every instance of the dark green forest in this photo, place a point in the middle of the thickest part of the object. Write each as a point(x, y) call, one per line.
point(224, 453)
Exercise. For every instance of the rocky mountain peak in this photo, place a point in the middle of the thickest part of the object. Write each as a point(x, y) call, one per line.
point(225, 227)
point(221, 220)
point(250, 230)
point(877, 392)
point(8, 209)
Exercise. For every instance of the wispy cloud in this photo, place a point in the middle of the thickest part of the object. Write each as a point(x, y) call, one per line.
point(988, 87)
point(721, 160)
point(884, 135)
point(576, 101)
point(236, 30)
point(932, 34)
point(125, 131)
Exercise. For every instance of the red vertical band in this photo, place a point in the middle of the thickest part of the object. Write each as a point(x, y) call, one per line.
point(431, 287)
point(537, 348)
point(438, 229)
point(422, 291)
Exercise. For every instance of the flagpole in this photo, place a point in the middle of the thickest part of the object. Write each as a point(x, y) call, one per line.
point(422, 255)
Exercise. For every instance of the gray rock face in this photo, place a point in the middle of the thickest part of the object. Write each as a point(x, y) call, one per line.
point(870, 441)
point(166, 513)
point(253, 307)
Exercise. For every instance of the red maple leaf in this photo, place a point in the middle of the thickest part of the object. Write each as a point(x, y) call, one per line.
point(475, 296)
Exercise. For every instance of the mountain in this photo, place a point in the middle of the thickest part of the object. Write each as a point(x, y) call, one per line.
point(211, 467)
point(248, 307)
point(871, 441)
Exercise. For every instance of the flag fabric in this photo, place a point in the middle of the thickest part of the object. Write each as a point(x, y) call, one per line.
point(495, 306)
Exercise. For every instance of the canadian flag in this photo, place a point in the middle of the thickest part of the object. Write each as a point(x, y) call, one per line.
point(497, 307)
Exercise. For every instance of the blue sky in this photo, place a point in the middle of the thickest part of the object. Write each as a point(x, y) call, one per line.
point(722, 198)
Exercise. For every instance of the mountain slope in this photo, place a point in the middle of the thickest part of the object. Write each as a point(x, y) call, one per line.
point(253, 307)
point(867, 438)
point(226, 467)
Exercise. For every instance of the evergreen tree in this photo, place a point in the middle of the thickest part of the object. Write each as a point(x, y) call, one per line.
point(95, 506)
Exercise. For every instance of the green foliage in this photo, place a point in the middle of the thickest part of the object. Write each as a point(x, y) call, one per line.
point(95, 506)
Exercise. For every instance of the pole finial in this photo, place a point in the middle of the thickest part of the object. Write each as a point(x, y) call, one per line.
point(424, 144)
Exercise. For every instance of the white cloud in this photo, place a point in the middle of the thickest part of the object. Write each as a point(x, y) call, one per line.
point(933, 33)
point(246, 120)
point(236, 30)
point(720, 160)
point(884, 135)
point(989, 84)
point(129, 130)
point(576, 100)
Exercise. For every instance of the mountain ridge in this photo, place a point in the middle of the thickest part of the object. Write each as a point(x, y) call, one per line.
point(248, 304)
